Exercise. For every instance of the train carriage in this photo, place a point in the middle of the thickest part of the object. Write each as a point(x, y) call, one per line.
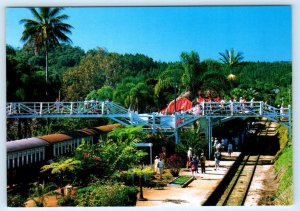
point(25, 151)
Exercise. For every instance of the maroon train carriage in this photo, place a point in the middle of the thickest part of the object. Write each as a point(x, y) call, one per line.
point(63, 144)
point(26, 156)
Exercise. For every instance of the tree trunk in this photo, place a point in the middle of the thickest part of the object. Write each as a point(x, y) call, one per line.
point(141, 188)
point(46, 67)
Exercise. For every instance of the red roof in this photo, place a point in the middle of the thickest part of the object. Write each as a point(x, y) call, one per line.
point(182, 104)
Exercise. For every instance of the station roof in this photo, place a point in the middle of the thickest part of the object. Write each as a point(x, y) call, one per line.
point(23, 144)
point(107, 128)
point(53, 138)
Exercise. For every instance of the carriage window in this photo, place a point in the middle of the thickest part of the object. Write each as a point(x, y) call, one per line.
point(42, 155)
point(56, 151)
point(29, 159)
point(37, 156)
point(10, 163)
point(16, 160)
point(24, 160)
point(20, 161)
point(33, 157)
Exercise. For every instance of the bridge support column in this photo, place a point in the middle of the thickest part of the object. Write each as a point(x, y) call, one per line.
point(153, 123)
point(209, 137)
point(176, 132)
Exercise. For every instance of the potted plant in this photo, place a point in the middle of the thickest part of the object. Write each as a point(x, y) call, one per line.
point(174, 163)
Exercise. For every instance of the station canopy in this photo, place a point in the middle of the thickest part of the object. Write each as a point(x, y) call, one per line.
point(182, 104)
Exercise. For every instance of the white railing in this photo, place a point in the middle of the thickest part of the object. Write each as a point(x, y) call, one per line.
point(153, 120)
point(47, 108)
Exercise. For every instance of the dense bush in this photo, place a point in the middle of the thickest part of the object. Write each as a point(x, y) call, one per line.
point(106, 195)
point(284, 170)
point(16, 200)
point(66, 201)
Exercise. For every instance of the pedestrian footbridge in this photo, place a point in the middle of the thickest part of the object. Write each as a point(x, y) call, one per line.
point(152, 121)
point(208, 114)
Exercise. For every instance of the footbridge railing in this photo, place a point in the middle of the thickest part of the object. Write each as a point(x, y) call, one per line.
point(153, 121)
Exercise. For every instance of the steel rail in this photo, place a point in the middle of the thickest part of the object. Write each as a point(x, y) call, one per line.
point(235, 181)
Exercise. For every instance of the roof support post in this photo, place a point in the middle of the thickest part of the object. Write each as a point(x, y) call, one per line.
point(209, 137)
point(260, 108)
point(176, 134)
point(41, 108)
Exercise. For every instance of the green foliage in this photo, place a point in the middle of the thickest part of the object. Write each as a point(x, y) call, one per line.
point(110, 194)
point(39, 191)
point(66, 201)
point(110, 157)
point(139, 171)
point(230, 59)
point(191, 66)
point(106, 92)
point(62, 169)
point(190, 138)
point(62, 166)
point(284, 170)
point(16, 200)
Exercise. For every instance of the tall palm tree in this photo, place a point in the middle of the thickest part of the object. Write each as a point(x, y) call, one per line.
point(46, 30)
point(231, 60)
point(191, 65)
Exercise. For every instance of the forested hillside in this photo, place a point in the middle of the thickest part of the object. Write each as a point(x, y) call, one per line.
point(137, 81)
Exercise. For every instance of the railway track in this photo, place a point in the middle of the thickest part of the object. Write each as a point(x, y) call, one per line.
point(237, 191)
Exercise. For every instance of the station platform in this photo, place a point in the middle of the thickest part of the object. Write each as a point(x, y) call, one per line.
point(196, 193)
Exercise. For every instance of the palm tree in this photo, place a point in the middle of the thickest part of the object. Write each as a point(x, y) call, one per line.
point(60, 168)
point(231, 60)
point(191, 65)
point(46, 30)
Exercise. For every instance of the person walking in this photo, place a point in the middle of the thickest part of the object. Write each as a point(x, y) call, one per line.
point(217, 159)
point(160, 167)
point(193, 165)
point(202, 163)
point(229, 149)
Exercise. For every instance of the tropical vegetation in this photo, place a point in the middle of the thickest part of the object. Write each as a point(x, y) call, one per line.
point(104, 172)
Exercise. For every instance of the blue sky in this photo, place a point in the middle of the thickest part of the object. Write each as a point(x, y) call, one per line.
point(262, 33)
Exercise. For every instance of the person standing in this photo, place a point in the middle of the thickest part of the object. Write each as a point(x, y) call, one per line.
point(197, 159)
point(202, 163)
point(189, 157)
point(229, 149)
point(160, 167)
point(193, 165)
point(155, 164)
point(217, 159)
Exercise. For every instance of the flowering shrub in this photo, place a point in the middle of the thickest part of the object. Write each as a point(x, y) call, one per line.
point(174, 163)
point(109, 194)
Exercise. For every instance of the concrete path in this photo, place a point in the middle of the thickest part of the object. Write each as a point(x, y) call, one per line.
point(194, 194)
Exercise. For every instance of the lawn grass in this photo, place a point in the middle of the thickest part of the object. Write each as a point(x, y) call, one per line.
point(181, 180)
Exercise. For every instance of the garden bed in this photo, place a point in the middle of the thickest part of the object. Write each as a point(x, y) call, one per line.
point(181, 181)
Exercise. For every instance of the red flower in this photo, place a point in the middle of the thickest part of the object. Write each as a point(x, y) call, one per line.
point(86, 155)
point(97, 158)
